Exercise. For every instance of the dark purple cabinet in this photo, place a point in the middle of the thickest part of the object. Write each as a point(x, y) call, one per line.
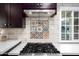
point(16, 19)
point(11, 15)
point(39, 6)
point(3, 15)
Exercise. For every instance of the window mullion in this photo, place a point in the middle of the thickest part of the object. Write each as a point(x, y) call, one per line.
point(72, 25)
point(65, 25)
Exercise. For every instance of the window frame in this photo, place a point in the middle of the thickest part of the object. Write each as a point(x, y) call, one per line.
point(68, 9)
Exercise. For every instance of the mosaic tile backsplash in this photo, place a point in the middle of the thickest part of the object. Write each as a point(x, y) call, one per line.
point(39, 29)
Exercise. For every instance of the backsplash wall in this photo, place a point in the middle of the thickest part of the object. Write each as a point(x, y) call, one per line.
point(24, 33)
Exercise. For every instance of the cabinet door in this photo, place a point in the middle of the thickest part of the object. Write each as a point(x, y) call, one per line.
point(39, 6)
point(30, 6)
point(15, 20)
point(3, 16)
point(47, 5)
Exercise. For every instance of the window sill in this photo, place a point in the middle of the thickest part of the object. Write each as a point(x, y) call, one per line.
point(69, 42)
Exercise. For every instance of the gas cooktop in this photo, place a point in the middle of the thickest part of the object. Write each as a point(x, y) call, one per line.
point(39, 48)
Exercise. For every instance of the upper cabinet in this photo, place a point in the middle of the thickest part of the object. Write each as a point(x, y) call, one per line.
point(16, 19)
point(11, 15)
point(3, 15)
point(39, 6)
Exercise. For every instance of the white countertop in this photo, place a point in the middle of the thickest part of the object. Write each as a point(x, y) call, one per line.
point(16, 50)
point(6, 45)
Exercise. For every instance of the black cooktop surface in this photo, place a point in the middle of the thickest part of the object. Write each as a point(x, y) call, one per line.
point(39, 48)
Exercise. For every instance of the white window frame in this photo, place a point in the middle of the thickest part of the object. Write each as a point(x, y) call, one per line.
point(68, 9)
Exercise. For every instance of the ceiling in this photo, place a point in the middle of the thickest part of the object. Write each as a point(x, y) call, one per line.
point(41, 13)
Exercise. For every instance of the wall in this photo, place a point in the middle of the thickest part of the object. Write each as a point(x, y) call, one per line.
point(67, 5)
point(24, 33)
point(68, 48)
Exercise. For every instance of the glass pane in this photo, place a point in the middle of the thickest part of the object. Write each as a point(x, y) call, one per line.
point(68, 29)
point(63, 14)
point(75, 29)
point(68, 13)
point(62, 36)
point(75, 36)
point(68, 21)
point(75, 14)
point(75, 21)
point(63, 21)
point(63, 29)
point(68, 36)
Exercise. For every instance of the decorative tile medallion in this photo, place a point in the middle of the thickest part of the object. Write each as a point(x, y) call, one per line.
point(39, 35)
point(33, 29)
point(33, 35)
point(45, 29)
point(39, 29)
point(45, 35)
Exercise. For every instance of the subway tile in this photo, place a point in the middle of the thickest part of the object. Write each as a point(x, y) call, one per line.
point(50, 33)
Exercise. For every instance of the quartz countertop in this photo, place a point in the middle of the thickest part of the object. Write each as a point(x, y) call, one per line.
point(16, 50)
point(6, 45)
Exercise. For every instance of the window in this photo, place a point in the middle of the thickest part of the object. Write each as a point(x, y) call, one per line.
point(66, 27)
point(69, 25)
point(76, 25)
